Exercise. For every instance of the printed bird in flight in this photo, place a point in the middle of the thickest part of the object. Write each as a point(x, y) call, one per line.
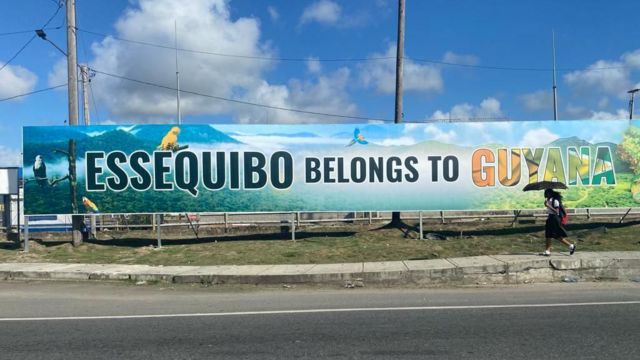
point(357, 138)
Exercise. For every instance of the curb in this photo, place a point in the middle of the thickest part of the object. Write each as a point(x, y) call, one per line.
point(476, 270)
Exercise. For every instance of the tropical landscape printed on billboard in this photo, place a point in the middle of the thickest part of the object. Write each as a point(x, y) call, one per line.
point(330, 167)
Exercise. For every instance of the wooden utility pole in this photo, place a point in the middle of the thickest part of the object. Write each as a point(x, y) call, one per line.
point(72, 85)
point(395, 216)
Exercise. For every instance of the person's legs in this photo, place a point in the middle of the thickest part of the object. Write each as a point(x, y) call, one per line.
point(547, 250)
point(565, 241)
point(572, 246)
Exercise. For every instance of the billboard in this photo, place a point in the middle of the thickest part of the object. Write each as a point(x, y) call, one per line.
point(328, 167)
point(8, 181)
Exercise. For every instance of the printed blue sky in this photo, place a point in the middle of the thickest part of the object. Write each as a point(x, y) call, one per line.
point(597, 54)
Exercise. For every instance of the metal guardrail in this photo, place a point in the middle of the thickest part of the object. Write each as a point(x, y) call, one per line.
point(292, 220)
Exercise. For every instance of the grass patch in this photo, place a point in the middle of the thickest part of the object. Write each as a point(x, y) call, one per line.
point(315, 245)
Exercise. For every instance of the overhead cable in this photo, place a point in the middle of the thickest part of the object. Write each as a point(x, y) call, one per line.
point(31, 39)
point(33, 92)
point(293, 59)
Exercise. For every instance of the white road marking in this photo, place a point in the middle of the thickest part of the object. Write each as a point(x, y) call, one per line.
point(311, 311)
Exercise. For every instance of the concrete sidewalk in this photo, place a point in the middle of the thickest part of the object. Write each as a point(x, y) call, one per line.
point(477, 270)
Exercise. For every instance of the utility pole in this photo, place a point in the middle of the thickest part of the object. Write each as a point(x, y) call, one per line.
point(395, 216)
point(633, 93)
point(399, 62)
point(555, 94)
point(84, 72)
point(72, 85)
point(175, 29)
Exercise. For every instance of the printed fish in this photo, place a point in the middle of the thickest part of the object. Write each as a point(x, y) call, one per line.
point(357, 138)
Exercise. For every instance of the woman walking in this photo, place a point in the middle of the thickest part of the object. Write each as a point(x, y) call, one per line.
point(553, 228)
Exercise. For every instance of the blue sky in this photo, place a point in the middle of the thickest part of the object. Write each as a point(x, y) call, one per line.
point(597, 53)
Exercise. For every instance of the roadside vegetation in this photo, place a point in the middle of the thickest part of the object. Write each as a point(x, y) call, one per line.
point(315, 244)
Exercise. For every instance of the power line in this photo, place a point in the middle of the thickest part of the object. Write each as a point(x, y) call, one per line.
point(33, 92)
point(508, 68)
point(28, 31)
point(292, 109)
point(293, 59)
point(18, 52)
point(237, 101)
point(251, 57)
point(31, 39)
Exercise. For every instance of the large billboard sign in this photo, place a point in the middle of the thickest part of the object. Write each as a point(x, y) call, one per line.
point(337, 167)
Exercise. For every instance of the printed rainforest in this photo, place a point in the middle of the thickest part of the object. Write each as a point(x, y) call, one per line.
point(338, 167)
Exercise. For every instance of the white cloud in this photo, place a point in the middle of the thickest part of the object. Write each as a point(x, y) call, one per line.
point(204, 25)
point(324, 12)
point(401, 141)
point(438, 134)
point(451, 57)
point(538, 100)
point(273, 13)
point(604, 115)
point(381, 74)
point(313, 65)
point(10, 156)
point(16, 80)
point(58, 75)
point(488, 108)
point(606, 76)
point(325, 94)
point(538, 137)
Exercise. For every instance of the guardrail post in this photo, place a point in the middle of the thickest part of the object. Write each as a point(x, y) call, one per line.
point(621, 219)
point(26, 233)
point(588, 214)
point(442, 216)
point(369, 217)
point(293, 226)
point(158, 222)
point(226, 222)
point(421, 232)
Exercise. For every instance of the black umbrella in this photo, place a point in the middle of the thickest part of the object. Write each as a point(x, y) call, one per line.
point(543, 185)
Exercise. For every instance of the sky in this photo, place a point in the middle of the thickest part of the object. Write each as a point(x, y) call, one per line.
point(246, 61)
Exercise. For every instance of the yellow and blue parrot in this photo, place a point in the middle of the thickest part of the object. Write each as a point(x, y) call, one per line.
point(90, 205)
point(357, 138)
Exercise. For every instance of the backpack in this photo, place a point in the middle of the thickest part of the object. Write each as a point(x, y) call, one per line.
point(563, 215)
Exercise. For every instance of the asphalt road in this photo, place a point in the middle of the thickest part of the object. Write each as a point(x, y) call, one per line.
point(98, 321)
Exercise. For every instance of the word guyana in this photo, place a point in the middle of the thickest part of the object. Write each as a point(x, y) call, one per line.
point(579, 168)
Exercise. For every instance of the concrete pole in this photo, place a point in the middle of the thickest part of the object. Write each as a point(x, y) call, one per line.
point(555, 88)
point(395, 216)
point(84, 72)
point(26, 233)
point(175, 29)
point(632, 93)
point(399, 62)
point(72, 85)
